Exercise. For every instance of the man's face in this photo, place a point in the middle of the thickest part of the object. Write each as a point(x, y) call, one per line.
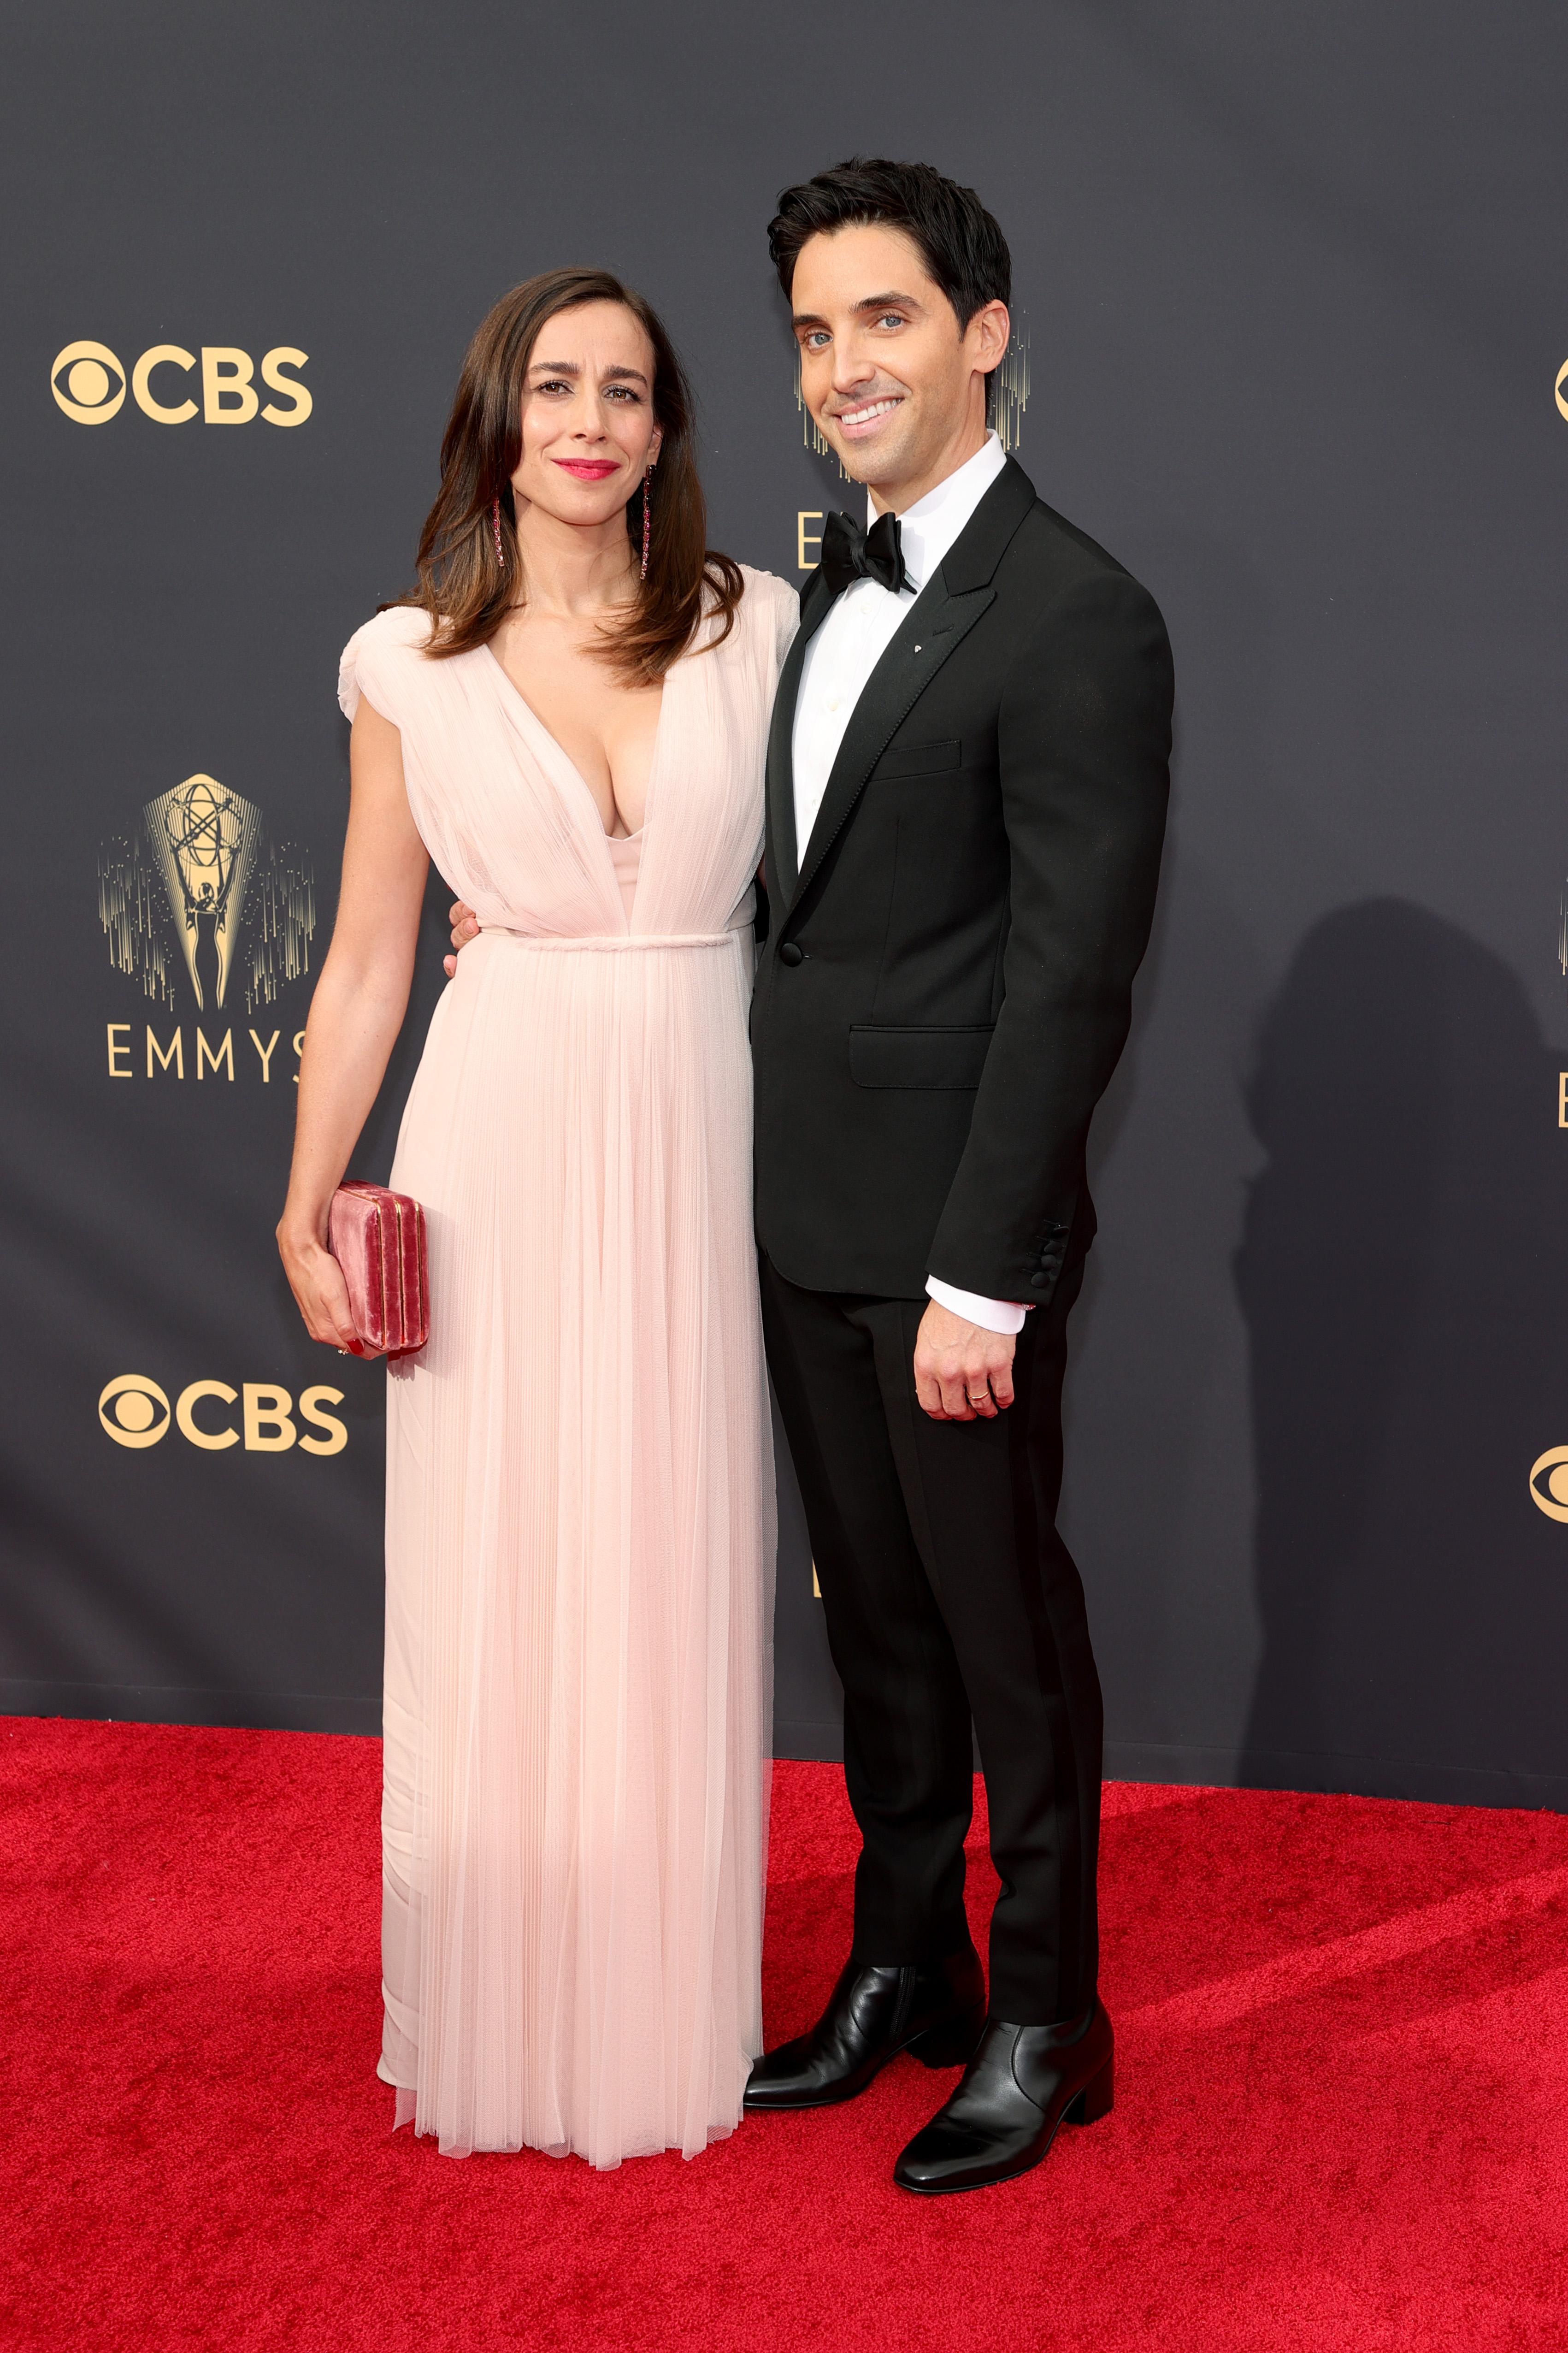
point(893, 383)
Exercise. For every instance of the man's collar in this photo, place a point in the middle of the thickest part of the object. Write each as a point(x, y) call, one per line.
point(929, 528)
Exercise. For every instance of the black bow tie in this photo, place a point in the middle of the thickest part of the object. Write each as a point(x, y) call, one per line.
point(850, 554)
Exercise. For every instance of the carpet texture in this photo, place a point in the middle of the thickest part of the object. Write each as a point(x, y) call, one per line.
point(1342, 2119)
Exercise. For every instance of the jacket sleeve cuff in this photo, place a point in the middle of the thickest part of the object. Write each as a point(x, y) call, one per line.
point(991, 1314)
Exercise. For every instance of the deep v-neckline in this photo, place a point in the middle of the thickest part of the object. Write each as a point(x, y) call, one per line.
point(576, 772)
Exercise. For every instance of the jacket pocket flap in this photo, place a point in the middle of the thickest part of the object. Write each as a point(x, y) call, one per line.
point(918, 759)
point(916, 1058)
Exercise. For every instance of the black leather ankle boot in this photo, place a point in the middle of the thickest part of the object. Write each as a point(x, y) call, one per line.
point(935, 2011)
point(1022, 2083)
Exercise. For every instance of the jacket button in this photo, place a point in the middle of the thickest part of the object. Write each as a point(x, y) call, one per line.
point(789, 953)
point(1038, 1282)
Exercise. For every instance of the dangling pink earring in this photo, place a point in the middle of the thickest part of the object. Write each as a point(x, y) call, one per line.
point(495, 526)
point(646, 525)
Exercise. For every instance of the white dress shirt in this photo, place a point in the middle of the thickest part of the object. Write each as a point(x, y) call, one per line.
point(839, 662)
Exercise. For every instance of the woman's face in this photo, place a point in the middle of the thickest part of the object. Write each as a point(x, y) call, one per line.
point(588, 427)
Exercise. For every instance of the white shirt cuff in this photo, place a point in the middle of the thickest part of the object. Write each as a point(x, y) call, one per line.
point(991, 1314)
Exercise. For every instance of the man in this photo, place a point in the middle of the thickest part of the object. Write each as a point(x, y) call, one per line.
point(967, 777)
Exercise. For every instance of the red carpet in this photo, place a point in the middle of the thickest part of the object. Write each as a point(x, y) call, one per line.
point(1342, 2119)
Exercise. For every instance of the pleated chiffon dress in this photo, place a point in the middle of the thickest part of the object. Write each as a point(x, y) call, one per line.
point(579, 1492)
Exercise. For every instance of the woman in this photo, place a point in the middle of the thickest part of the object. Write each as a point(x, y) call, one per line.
point(569, 718)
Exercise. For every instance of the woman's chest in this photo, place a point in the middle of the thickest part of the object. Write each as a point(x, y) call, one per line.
point(605, 724)
point(483, 766)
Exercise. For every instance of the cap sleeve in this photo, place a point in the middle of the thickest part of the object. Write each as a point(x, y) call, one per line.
point(777, 606)
point(374, 657)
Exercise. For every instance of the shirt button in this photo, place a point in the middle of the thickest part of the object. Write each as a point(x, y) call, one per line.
point(833, 702)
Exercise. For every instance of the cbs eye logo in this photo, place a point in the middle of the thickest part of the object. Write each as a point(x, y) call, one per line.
point(135, 1412)
point(89, 385)
point(1550, 1495)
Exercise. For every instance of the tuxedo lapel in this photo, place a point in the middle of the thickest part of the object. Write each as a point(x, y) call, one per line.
point(935, 625)
point(782, 854)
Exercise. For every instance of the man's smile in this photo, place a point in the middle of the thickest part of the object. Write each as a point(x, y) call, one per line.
point(856, 420)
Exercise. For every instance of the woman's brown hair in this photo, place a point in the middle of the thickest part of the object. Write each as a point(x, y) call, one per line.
point(465, 589)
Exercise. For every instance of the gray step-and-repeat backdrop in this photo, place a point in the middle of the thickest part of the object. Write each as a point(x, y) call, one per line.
point(1293, 342)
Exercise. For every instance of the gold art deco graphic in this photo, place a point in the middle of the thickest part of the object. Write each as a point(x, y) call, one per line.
point(199, 886)
point(1012, 387)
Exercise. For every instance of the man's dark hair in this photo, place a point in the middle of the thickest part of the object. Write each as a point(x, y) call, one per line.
point(962, 247)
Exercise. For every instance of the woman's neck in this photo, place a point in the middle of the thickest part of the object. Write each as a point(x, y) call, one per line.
point(572, 570)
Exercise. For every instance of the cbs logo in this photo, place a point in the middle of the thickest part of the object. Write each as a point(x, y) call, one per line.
point(1550, 1495)
point(89, 385)
point(134, 1411)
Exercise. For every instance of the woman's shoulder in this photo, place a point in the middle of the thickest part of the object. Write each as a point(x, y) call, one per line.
point(760, 623)
point(765, 592)
point(772, 606)
point(377, 651)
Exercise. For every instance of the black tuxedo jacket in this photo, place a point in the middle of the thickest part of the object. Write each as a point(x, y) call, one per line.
point(946, 983)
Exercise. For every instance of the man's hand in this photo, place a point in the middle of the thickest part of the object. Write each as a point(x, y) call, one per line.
point(465, 927)
point(963, 1373)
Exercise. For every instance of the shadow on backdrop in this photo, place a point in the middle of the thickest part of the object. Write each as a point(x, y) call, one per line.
point(1404, 1278)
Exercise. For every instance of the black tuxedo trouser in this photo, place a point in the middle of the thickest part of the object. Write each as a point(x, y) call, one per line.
point(949, 1594)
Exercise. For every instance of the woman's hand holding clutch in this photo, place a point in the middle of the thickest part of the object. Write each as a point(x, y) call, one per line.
point(316, 1279)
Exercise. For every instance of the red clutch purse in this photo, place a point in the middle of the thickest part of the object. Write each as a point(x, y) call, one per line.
point(378, 1240)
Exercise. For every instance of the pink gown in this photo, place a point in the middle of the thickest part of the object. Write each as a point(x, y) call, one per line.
point(579, 1479)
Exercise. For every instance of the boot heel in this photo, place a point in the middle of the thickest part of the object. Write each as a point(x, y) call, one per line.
point(1096, 2098)
point(951, 2044)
